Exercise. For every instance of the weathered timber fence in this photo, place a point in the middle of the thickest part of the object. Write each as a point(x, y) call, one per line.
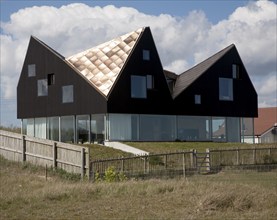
point(169, 164)
point(71, 158)
point(242, 157)
point(187, 162)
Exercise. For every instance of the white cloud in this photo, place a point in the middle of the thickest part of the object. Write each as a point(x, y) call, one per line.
point(181, 41)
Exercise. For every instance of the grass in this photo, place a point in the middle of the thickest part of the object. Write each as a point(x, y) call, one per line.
point(25, 194)
point(101, 152)
point(161, 147)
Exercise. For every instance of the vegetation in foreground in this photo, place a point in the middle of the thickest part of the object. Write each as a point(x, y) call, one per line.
point(25, 194)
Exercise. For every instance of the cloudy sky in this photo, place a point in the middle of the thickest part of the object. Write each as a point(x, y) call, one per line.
point(185, 32)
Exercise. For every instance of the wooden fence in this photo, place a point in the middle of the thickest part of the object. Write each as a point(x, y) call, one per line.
point(71, 158)
point(187, 162)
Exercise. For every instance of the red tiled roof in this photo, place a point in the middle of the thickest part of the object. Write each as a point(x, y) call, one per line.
point(266, 120)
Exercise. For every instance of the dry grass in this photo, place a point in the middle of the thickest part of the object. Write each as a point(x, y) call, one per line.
point(161, 147)
point(26, 195)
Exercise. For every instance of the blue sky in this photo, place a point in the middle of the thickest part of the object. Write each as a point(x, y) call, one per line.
point(190, 32)
point(215, 10)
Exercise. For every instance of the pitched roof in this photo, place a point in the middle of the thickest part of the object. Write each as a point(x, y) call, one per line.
point(101, 65)
point(185, 79)
point(266, 120)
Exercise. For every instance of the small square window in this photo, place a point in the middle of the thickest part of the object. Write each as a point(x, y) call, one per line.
point(42, 87)
point(31, 70)
point(67, 94)
point(235, 71)
point(197, 99)
point(150, 82)
point(146, 54)
point(51, 79)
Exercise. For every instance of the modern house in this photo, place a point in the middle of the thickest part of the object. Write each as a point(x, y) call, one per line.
point(120, 91)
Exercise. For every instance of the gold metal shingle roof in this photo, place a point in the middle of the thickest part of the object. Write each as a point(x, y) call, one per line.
point(101, 65)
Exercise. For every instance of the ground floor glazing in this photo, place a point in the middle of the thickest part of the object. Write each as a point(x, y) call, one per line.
point(136, 127)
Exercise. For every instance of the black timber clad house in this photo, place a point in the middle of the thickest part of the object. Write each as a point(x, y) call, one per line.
point(120, 91)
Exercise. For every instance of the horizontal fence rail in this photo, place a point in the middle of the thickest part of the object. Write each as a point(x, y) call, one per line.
point(71, 158)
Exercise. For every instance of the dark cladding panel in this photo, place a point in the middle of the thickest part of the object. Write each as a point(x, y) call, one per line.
point(41, 94)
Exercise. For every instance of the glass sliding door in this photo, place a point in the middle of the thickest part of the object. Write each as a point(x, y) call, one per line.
point(120, 127)
point(82, 124)
point(193, 128)
point(67, 129)
point(233, 129)
point(53, 128)
point(30, 127)
point(97, 127)
point(157, 128)
point(40, 127)
point(218, 129)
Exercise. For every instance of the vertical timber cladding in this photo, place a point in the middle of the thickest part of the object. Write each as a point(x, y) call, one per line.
point(158, 99)
point(244, 102)
point(86, 100)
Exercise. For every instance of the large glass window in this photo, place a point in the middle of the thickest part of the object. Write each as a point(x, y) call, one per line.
point(120, 127)
point(30, 127)
point(157, 128)
point(194, 128)
point(138, 86)
point(67, 94)
point(219, 129)
point(40, 127)
point(53, 128)
point(31, 70)
point(67, 129)
point(42, 87)
point(97, 127)
point(82, 128)
point(247, 131)
point(24, 126)
point(233, 129)
point(225, 89)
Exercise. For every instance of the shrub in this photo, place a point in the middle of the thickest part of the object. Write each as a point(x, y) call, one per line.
point(111, 175)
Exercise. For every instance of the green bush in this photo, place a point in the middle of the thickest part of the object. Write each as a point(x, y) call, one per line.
point(110, 176)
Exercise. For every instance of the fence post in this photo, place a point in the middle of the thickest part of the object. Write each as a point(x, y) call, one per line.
point(54, 155)
point(184, 165)
point(191, 158)
point(82, 163)
point(23, 148)
point(122, 164)
point(254, 156)
point(165, 161)
point(87, 164)
point(238, 158)
point(145, 164)
point(208, 165)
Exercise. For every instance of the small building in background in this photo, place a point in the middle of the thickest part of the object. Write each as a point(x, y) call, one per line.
point(119, 91)
point(265, 128)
